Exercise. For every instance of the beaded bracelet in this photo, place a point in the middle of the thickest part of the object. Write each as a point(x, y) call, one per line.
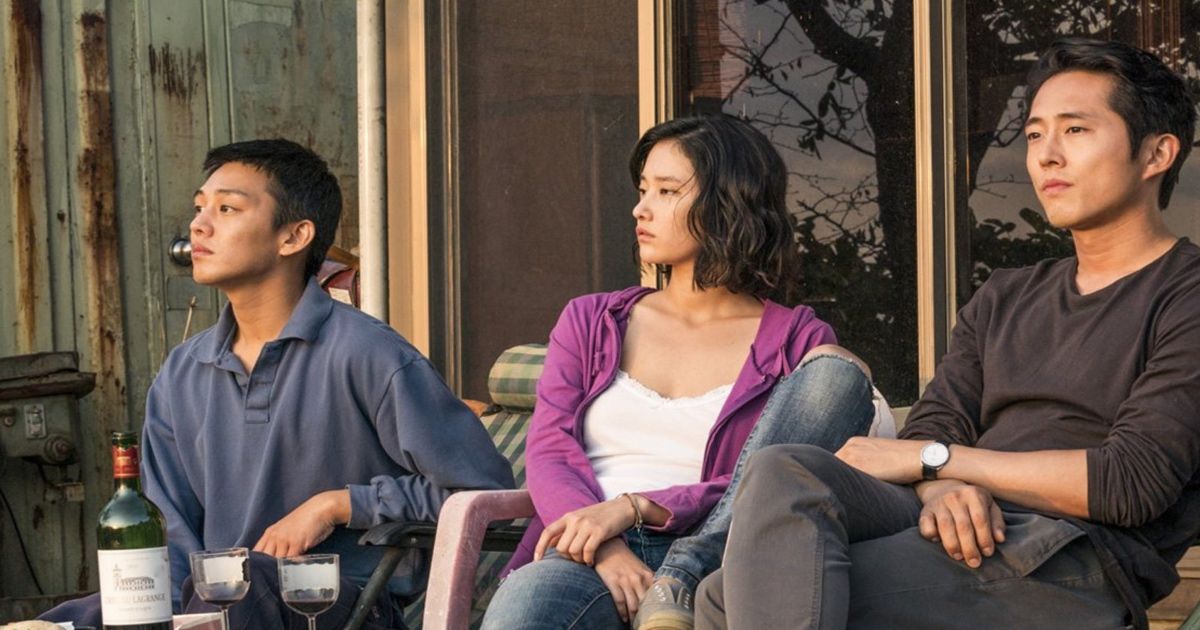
point(637, 512)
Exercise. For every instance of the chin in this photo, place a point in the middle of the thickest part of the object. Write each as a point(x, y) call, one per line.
point(1061, 218)
point(207, 279)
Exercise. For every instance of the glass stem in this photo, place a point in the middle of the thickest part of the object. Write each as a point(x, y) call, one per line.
point(312, 622)
point(225, 617)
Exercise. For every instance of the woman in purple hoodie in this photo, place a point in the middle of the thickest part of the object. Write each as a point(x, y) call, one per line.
point(651, 401)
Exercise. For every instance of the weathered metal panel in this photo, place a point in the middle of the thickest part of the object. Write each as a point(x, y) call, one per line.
point(33, 286)
point(292, 75)
point(100, 329)
point(27, 278)
point(181, 93)
point(137, 199)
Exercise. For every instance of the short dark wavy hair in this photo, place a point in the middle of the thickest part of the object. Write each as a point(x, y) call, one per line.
point(1146, 94)
point(739, 216)
point(300, 182)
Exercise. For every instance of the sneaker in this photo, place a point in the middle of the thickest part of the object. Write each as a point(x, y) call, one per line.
point(666, 606)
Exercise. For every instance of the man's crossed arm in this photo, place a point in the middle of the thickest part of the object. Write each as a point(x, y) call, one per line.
point(959, 511)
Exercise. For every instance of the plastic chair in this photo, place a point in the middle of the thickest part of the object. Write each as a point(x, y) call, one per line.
point(459, 574)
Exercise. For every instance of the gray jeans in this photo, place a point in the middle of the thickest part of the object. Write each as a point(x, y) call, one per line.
point(816, 543)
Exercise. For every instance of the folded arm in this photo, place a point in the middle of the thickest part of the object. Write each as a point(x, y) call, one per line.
point(1052, 481)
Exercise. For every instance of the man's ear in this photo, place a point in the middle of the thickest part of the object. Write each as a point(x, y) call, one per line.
point(1163, 150)
point(296, 237)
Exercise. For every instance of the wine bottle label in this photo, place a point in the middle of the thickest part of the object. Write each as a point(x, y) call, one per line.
point(135, 586)
point(125, 462)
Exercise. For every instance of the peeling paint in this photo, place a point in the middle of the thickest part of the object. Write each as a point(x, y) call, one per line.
point(96, 175)
point(176, 72)
point(26, 25)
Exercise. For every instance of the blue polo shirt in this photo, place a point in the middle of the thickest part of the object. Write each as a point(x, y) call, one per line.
point(339, 400)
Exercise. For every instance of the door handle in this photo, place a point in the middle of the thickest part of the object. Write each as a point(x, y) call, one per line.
point(180, 251)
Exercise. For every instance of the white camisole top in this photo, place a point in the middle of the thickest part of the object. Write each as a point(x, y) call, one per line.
point(637, 440)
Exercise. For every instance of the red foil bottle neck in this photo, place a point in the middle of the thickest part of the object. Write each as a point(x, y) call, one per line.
point(125, 462)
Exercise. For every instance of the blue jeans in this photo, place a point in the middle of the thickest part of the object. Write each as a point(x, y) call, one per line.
point(555, 593)
point(824, 402)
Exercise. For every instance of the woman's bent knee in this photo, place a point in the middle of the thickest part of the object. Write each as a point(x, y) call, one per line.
point(800, 463)
point(552, 592)
point(787, 455)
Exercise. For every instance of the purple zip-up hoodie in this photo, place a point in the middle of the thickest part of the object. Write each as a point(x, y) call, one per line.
point(582, 361)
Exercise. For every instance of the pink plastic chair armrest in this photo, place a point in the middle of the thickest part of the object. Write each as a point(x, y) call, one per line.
point(461, 525)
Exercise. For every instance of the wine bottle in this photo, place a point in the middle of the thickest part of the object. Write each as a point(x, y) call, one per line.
point(135, 573)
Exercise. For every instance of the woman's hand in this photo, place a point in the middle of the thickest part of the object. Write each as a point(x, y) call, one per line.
point(578, 534)
point(625, 575)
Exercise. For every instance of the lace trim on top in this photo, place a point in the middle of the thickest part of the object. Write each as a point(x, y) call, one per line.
point(722, 392)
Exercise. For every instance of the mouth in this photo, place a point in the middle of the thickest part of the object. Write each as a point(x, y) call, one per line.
point(1052, 186)
point(643, 234)
point(198, 250)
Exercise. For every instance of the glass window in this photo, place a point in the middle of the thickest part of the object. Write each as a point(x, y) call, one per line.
point(831, 83)
point(544, 104)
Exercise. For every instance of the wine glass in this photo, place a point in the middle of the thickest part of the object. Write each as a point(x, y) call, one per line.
point(221, 577)
point(309, 584)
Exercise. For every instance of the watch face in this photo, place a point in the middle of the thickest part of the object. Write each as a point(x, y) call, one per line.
point(935, 455)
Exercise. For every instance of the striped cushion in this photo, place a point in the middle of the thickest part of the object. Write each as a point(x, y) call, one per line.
point(512, 382)
point(508, 434)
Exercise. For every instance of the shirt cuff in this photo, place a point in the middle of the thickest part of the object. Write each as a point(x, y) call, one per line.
point(362, 507)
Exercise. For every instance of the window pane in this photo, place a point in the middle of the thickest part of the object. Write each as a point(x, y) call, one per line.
point(547, 114)
point(831, 84)
point(1005, 222)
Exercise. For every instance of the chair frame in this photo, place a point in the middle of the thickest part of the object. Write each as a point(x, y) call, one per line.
point(463, 530)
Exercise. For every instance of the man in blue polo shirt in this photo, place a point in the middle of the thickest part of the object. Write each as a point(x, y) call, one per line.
point(296, 419)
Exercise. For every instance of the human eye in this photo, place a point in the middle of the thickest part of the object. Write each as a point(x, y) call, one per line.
point(668, 192)
point(1030, 136)
point(226, 209)
point(1075, 129)
point(641, 192)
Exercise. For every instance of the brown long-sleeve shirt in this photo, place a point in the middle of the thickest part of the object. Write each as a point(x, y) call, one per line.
point(1034, 365)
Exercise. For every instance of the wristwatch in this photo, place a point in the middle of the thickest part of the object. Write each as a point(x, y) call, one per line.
point(934, 457)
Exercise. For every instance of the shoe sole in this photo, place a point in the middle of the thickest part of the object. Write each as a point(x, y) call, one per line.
point(669, 623)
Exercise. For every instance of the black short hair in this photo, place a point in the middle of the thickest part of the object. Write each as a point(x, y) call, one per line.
point(1146, 94)
point(300, 182)
point(739, 216)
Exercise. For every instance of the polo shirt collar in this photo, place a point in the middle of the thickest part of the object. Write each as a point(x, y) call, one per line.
point(310, 313)
point(305, 324)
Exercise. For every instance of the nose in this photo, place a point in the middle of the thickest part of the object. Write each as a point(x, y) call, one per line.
point(1049, 151)
point(199, 223)
point(640, 211)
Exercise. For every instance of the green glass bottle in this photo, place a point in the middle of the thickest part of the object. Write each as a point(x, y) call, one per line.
point(135, 572)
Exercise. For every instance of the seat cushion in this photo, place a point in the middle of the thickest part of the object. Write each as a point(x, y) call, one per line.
point(512, 381)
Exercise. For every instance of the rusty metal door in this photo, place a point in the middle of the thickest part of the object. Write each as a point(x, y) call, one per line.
point(108, 108)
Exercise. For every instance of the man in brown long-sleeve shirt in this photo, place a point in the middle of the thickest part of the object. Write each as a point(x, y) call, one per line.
point(1050, 474)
